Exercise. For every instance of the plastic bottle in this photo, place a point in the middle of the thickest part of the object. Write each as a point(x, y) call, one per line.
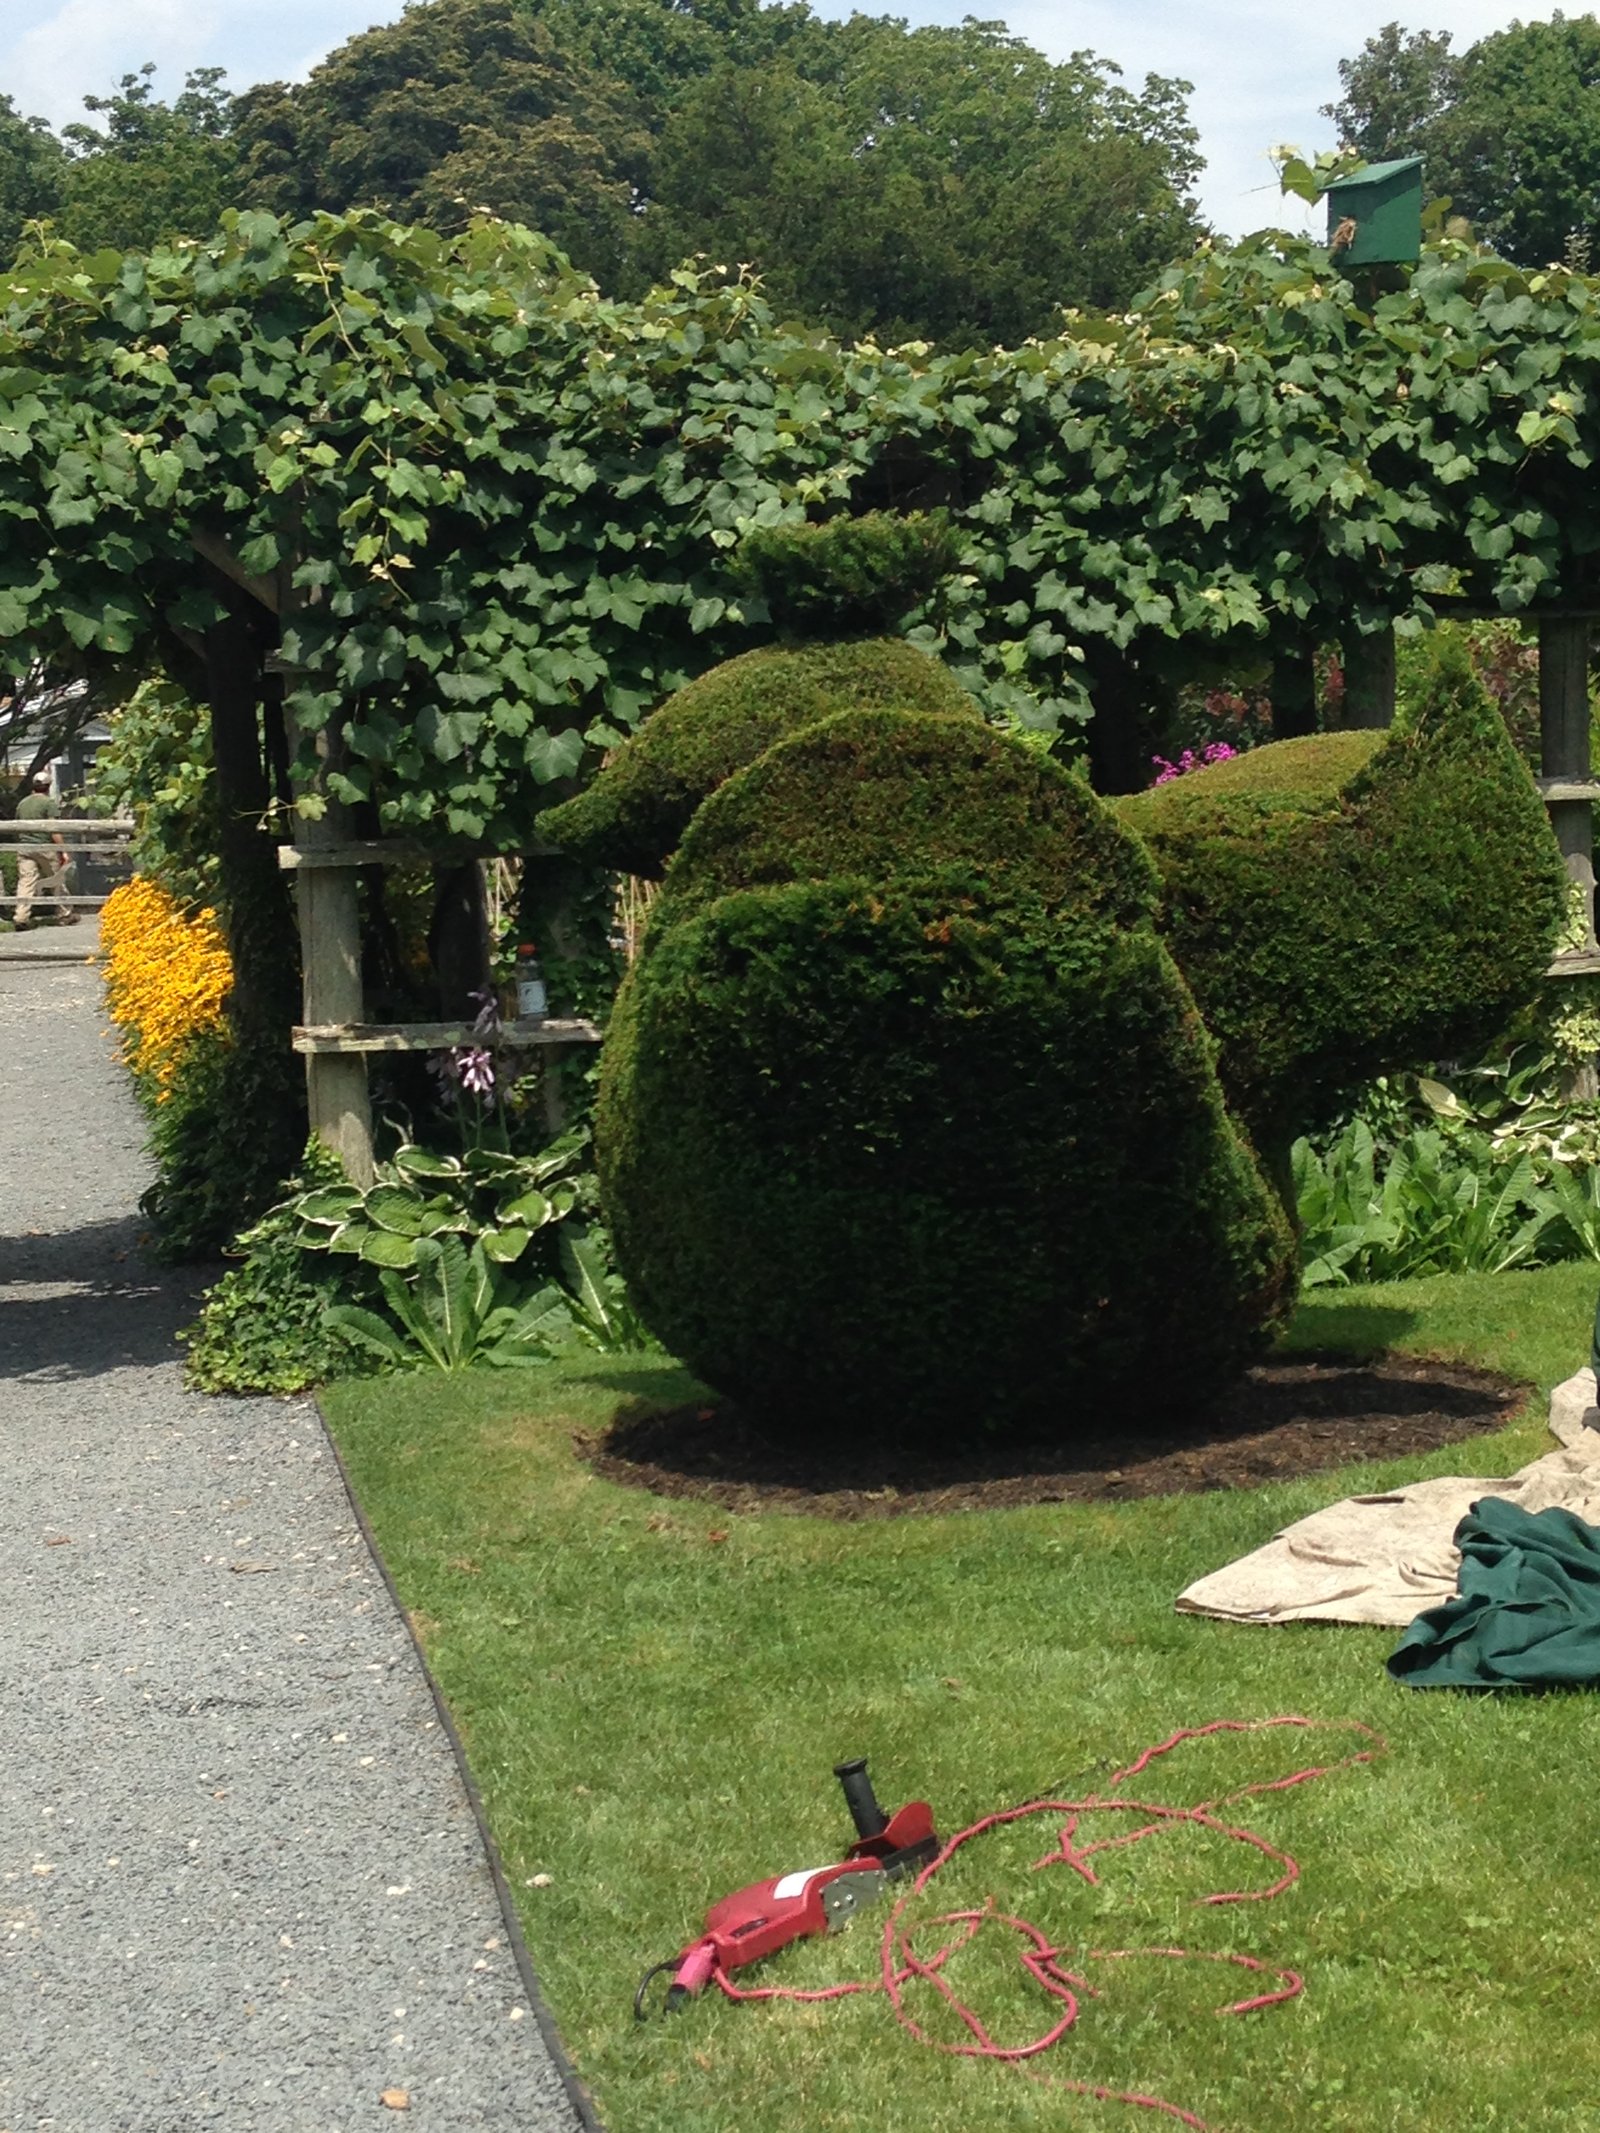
point(532, 999)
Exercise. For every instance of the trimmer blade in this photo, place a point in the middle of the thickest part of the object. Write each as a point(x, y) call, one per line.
point(842, 1899)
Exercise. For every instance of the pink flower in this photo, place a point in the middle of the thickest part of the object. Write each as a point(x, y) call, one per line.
point(1191, 759)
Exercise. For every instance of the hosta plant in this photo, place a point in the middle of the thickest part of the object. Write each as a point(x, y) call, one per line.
point(491, 1198)
point(455, 1309)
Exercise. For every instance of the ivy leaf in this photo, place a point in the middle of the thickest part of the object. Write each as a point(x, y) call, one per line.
point(553, 755)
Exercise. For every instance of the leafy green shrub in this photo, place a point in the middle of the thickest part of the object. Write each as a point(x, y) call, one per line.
point(157, 767)
point(1492, 1170)
point(848, 577)
point(456, 1310)
point(1355, 902)
point(496, 1199)
point(633, 815)
point(265, 1326)
point(225, 1135)
point(1429, 1208)
point(306, 1302)
point(920, 1129)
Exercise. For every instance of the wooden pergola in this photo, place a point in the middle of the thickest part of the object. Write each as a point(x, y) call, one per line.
point(333, 1035)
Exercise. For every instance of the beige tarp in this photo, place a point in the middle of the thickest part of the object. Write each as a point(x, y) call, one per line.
point(1383, 1559)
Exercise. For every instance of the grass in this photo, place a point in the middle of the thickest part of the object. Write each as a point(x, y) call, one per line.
point(652, 1695)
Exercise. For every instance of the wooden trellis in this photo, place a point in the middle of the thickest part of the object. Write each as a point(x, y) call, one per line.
point(334, 1037)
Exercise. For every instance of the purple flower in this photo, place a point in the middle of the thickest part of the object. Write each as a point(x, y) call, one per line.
point(475, 1071)
point(486, 1023)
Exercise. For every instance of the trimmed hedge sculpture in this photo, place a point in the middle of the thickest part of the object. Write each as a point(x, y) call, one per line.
point(634, 813)
point(1354, 902)
point(906, 1117)
point(908, 1120)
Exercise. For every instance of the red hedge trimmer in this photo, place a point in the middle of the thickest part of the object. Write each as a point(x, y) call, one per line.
point(757, 1921)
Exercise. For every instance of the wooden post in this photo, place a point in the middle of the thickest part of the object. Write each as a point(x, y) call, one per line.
point(1294, 690)
point(1369, 679)
point(1564, 754)
point(330, 948)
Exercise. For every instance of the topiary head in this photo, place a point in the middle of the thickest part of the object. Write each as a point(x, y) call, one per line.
point(848, 577)
point(637, 809)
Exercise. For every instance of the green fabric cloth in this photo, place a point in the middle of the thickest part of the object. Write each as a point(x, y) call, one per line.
point(1528, 1615)
point(38, 806)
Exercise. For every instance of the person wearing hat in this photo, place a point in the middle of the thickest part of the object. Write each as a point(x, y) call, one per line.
point(41, 859)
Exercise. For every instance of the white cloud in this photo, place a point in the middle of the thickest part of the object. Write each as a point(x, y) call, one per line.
point(1261, 70)
point(49, 71)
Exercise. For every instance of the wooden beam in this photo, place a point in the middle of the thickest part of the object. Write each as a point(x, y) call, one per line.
point(398, 852)
point(327, 898)
point(335, 1038)
point(78, 851)
point(1551, 789)
point(211, 548)
point(367, 852)
point(1369, 683)
point(88, 825)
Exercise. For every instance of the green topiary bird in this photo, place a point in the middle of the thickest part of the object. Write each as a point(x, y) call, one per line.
point(935, 1097)
point(1352, 903)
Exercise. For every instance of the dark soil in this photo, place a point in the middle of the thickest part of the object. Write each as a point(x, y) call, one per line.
point(1285, 1419)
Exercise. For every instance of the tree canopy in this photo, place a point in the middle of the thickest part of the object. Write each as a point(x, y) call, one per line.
point(435, 515)
point(944, 184)
point(461, 105)
point(30, 173)
point(151, 171)
point(1509, 129)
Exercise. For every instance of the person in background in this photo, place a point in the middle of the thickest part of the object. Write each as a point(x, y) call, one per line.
point(41, 860)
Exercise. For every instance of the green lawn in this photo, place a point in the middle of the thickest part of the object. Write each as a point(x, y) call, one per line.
point(653, 1695)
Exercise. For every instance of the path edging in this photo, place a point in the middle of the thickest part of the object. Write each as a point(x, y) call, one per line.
point(582, 2102)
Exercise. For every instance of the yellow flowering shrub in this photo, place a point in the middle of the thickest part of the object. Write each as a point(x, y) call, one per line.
point(167, 976)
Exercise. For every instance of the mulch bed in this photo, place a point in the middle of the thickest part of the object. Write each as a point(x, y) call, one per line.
point(1285, 1419)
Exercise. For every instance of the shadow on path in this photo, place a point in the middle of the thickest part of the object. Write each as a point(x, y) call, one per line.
point(81, 1301)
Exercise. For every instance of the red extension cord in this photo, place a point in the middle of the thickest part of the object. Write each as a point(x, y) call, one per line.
point(900, 1964)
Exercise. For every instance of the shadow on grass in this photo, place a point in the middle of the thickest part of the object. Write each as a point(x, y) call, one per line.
point(653, 1382)
point(1352, 1327)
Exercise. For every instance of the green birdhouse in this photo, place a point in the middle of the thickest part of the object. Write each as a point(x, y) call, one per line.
point(1375, 217)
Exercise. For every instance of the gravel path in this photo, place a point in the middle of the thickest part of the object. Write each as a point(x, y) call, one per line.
point(240, 1881)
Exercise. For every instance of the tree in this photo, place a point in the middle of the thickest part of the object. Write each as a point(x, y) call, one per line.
point(155, 171)
point(1509, 130)
point(1396, 90)
point(461, 105)
point(30, 173)
point(945, 184)
point(46, 714)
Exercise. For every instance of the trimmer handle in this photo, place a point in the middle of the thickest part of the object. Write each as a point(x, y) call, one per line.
point(868, 1817)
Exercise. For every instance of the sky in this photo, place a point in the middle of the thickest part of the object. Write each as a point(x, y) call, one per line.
point(1260, 68)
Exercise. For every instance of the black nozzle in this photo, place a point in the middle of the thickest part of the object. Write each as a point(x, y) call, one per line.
point(859, 1797)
